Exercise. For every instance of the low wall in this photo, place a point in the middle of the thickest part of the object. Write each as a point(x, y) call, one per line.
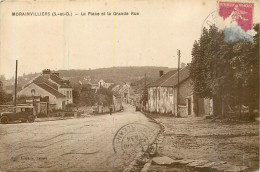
point(98, 109)
point(106, 109)
point(5, 108)
point(183, 111)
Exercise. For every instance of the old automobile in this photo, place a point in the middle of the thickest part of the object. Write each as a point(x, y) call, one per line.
point(18, 113)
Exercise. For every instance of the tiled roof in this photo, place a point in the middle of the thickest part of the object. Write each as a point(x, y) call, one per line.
point(112, 86)
point(50, 89)
point(42, 79)
point(173, 80)
point(58, 80)
point(162, 79)
point(170, 79)
point(45, 79)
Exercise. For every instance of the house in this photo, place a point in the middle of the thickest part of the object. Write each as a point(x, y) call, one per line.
point(162, 95)
point(90, 81)
point(139, 95)
point(115, 88)
point(102, 83)
point(117, 100)
point(94, 87)
point(49, 84)
point(125, 93)
point(91, 85)
point(155, 101)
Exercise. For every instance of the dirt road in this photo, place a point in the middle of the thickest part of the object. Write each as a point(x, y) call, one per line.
point(73, 145)
point(195, 138)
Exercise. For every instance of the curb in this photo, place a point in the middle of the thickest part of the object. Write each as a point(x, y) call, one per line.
point(160, 136)
point(157, 142)
point(144, 157)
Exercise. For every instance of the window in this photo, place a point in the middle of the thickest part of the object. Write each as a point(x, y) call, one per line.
point(68, 93)
point(33, 91)
point(171, 91)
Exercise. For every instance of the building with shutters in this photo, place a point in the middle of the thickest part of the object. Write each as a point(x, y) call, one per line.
point(162, 95)
point(49, 84)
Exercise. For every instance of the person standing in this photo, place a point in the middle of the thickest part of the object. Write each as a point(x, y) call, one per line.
point(110, 110)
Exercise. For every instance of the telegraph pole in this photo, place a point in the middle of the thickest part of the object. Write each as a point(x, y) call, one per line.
point(145, 96)
point(145, 80)
point(15, 82)
point(179, 56)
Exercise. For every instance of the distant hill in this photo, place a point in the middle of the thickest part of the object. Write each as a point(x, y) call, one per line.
point(116, 75)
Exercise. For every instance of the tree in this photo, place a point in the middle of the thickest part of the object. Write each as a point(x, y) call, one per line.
point(89, 97)
point(105, 96)
point(225, 71)
point(4, 97)
point(204, 69)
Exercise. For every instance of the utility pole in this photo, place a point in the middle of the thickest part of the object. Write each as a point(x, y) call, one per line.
point(145, 81)
point(145, 96)
point(15, 82)
point(179, 56)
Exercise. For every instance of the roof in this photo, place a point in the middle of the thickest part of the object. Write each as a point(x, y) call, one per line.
point(140, 91)
point(170, 79)
point(58, 80)
point(45, 79)
point(42, 79)
point(116, 94)
point(50, 90)
point(162, 79)
point(173, 80)
point(112, 86)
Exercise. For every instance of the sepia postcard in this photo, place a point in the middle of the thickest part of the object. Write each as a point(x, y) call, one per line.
point(129, 85)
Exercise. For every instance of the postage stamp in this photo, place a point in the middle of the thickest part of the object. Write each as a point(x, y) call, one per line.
point(237, 12)
point(235, 18)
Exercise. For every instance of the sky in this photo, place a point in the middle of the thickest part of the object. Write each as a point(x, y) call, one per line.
point(82, 42)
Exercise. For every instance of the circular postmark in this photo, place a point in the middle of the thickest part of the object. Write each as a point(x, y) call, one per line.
point(210, 20)
point(131, 139)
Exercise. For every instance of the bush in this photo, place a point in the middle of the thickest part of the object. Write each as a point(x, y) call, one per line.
point(88, 97)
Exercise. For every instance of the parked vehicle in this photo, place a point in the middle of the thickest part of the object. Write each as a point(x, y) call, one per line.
point(19, 113)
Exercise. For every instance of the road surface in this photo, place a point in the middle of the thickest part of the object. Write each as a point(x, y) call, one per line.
point(74, 144)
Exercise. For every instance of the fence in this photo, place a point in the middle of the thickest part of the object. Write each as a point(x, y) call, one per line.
point(98, 109)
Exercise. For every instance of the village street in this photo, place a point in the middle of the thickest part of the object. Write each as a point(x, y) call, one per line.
point(73, 144)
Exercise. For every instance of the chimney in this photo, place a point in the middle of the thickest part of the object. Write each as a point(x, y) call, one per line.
point(46, 71)
point(161, 73)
